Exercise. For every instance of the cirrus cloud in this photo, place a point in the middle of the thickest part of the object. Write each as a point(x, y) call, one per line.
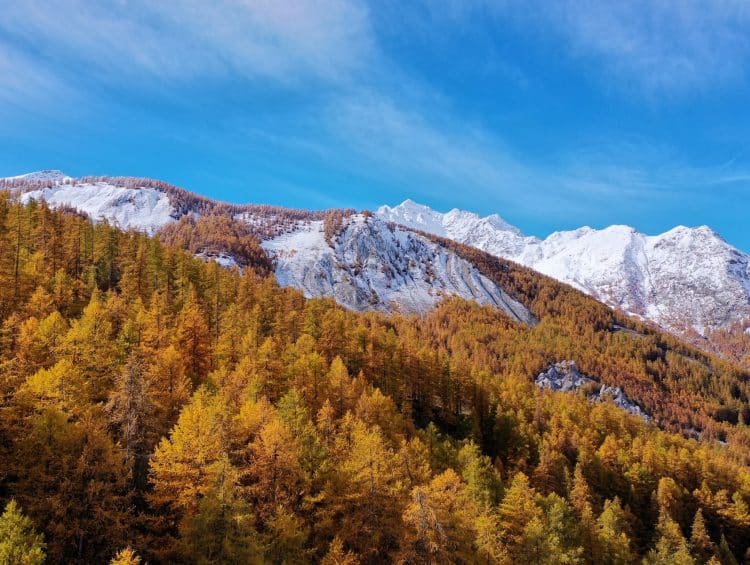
point(286, 41)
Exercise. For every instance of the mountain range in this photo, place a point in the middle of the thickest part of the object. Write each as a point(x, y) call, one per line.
point(686, 279)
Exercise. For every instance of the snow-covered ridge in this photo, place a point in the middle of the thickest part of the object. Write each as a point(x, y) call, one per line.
point(372, 266)
point(368, 266)
point(144, 209)
point(51, 175)
point(465, 227)
point(683, 278)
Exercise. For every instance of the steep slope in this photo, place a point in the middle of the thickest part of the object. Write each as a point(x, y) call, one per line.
point(686, 278)
point(371, 266)
point(135, 376)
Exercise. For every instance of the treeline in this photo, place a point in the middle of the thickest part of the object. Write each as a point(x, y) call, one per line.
point(161, 408)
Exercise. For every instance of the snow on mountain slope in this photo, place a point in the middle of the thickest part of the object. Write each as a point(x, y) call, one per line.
point(684, 278)
point(716, 291)
point(608, 264)
point(50, 175)
point(144, 209)
point(371, 266)
point(491, 232)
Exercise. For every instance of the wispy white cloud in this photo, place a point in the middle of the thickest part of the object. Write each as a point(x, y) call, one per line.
point(663, 45)
point(142, 39)
point(657, 47)
point(442, 157)
point(373, 108)
point(654, 48)
point(409, 141)
point(24, 83)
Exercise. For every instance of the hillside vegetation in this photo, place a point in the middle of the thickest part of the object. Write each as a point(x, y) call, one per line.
point(161, 408)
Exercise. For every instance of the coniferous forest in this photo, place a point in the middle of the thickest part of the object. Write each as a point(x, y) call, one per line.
point(157, 408)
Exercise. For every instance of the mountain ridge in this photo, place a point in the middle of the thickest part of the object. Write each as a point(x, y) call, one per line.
point(357, 260)
point(684, 280)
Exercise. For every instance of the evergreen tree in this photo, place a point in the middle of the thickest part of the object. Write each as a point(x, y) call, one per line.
point(221, 529)
point(19, 542)
point(482, 480)
point(193, 338)
point(337, 556)
point(671, 547)
point(440, 522)
point(275, 472)
point(700, 542)
point(517, 510)
point(131, 413)
point(186, 465)
point(614, 547)
point(726, 556)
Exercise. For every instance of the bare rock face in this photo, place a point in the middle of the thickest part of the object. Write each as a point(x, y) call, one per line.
point(565, 377)
point(370, 265)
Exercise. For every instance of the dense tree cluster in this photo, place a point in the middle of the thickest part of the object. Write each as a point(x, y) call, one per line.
point(158, 408)
point(732, 342)
point(216, 235)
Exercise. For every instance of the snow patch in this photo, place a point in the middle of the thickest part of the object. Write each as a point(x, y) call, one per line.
point(52, 175)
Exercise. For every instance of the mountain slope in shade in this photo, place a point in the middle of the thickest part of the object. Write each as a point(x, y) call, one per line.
point(686, 278)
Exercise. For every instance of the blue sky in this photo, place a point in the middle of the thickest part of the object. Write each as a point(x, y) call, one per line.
point(553, 114)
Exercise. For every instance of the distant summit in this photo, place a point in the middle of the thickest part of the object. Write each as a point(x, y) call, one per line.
point(43, 176)
point(683, 279)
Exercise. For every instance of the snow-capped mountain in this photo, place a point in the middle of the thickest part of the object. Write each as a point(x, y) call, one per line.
point(490, 233)
point(686, 278)
point(683, 278)
point(43, 176)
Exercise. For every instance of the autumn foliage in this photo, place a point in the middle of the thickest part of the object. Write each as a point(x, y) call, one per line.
point(158, 408)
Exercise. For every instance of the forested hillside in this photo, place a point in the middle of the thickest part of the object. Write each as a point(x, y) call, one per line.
point(159, 408)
